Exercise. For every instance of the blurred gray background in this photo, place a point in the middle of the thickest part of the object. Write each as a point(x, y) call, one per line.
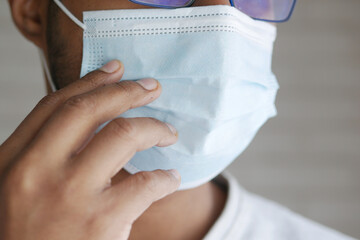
point(308, 157)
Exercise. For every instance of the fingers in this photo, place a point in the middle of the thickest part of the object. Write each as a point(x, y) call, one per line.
point(140, 190)
point(111, 72)
point(116, 144)
point(78, 117)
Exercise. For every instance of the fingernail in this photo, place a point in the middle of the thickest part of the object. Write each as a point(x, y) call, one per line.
point(172, 129)
point(148, 83)
point(175, 173)
point(111, 66)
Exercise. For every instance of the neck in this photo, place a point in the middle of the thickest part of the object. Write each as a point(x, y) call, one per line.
point(187, 214)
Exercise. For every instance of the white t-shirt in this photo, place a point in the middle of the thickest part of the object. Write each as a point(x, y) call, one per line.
point(250, 217)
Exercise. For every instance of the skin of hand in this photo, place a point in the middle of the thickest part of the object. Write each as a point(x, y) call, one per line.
point(55, 172)
point(48, 28)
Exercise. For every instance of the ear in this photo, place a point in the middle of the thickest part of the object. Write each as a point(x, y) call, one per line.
point(30, 18)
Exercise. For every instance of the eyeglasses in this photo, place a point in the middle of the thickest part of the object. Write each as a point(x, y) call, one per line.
point(263, 10)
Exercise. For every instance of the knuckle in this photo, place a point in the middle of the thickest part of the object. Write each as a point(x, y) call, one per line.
point(166, 175)
point(82, 103)
point(98, 220)
point(126, 87)
point(67, 190)
point(51, 99)
point(95, 79)
point(94, 221)
point(148, 181)
point(22, 181)
point(123, 128)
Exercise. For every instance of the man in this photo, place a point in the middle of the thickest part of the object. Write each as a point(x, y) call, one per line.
point(55, 171)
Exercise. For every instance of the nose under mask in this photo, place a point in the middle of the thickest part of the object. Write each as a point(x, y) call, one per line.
point(214, 65)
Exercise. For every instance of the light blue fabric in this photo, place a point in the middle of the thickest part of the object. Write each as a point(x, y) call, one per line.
point(214, 65)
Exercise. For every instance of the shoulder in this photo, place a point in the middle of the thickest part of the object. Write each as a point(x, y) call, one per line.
point(255, 218)
point(269, 220)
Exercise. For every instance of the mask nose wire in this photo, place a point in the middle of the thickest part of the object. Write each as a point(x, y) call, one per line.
point(69, 14)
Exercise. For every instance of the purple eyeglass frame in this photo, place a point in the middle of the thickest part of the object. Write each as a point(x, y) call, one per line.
point(232, 4)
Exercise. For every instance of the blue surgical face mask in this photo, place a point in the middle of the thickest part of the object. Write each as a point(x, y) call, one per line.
point(214, 65)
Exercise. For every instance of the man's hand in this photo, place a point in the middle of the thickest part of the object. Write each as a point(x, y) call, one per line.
point(55, 173)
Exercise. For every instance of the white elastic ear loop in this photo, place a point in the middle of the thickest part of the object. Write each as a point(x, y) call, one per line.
point(70, 15)
point(47, 71)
